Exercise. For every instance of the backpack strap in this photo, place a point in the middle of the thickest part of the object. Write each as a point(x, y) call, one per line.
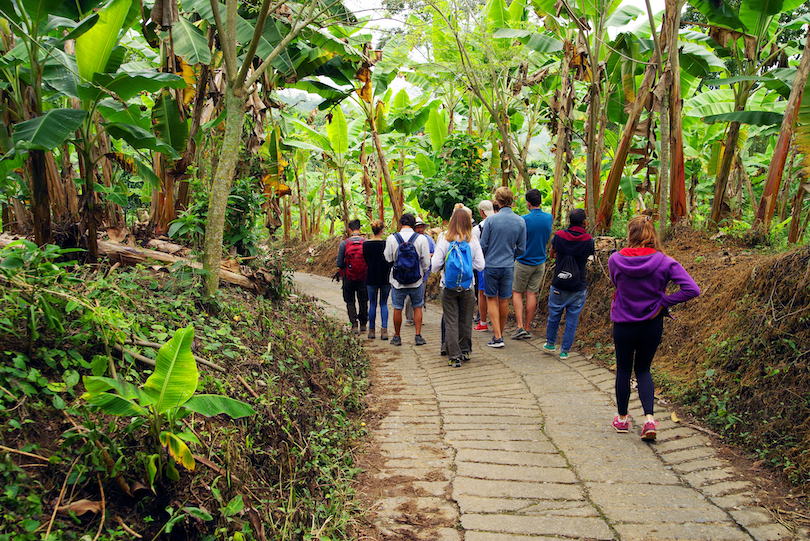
point(399, 238)
point(415, 234)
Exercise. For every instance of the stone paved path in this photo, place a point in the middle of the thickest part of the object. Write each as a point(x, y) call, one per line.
point(516, 445)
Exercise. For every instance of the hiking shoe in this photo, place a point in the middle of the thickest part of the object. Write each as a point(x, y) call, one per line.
point(409, 322)
point(563, 355)
point(396, 341)
point(466, 355)
point(456, 363)
point(496, 343)
point(650, 431)
point(419, 341)
point(481, 327)
point(384, 334)
point(371, 334)
point(521, 334)
point(355, 329)
point(363, 327)
point(621, 426)
point(549, 347)
point(443, 349)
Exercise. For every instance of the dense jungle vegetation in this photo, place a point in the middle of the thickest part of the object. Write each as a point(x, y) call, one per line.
point(238, 138)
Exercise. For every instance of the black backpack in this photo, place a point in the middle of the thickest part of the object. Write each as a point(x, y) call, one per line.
point(566, 273)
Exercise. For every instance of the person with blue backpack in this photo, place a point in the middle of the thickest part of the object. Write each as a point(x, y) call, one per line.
point(458, 255)
point(410, 254)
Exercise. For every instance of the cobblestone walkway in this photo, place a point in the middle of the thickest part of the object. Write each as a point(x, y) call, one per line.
point(516, 445)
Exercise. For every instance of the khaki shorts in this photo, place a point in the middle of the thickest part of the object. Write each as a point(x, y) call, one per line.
point(529, 277)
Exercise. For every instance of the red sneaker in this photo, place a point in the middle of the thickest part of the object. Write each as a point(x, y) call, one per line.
point(481, 327)
point(650, 431)
point(621, 426)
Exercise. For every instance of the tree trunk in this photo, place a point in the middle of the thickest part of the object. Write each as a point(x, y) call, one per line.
point(221, 187)
point(343, 201)
point(796, 217)
point(604, 218)
point(767, 202)
point(392, 193)
point(663, 172)
point(563, 136)
point(40, 200)
point(729, 150)
point(784, 198)
point(677, 173)
point(591, 165)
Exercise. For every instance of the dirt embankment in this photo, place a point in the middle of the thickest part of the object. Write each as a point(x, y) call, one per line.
point(736, 358)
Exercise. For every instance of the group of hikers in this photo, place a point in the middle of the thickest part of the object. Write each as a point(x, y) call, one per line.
point(504, 256)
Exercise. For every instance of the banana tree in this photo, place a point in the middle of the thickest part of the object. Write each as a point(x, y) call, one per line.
point(167, 396)
point(264, 39)
point(750, 40)
point(40, 32)
point(334, 146)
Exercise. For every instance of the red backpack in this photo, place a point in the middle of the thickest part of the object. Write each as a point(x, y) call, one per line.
point(355, 263)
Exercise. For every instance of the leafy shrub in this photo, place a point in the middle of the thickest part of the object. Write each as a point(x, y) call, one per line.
point(458, 177)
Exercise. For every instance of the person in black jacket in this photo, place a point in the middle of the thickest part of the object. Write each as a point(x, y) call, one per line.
point(353, 271)
point(568, 298)
point(377, 282)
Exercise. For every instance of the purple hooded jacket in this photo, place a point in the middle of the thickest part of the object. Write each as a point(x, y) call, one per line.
point(641, 282)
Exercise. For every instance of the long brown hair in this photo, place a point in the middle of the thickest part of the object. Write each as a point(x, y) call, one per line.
point(641, 233)
point(460, 226)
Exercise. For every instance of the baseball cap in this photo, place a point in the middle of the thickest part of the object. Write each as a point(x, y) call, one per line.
point(486, 207)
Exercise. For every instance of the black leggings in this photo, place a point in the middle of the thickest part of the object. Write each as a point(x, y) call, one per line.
point(635, 345)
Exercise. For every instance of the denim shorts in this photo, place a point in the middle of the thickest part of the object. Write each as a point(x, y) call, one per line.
point(415, 293)
point(498, 282)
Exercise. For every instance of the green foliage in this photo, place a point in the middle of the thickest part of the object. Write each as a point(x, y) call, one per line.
point(458, 178)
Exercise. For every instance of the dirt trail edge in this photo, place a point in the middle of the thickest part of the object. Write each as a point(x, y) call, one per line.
point(517, 445)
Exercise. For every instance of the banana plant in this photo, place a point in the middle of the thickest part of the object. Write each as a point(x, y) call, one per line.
point(749, 38)
point(167, 396)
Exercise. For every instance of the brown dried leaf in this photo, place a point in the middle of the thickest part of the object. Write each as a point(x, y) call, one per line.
point(80, 507)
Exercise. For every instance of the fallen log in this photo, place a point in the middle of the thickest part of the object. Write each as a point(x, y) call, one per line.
point(128, 255)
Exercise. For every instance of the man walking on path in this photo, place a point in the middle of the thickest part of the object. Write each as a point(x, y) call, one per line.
point(486, 209)
point(410, 254)
point(419, 228)
point(353, 269)
point(572, 247)
point(503, 238)
point(530, 268)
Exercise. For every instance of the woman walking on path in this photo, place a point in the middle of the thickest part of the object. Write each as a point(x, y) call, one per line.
point(457, 256)
point(377, 282)
point(640, 274)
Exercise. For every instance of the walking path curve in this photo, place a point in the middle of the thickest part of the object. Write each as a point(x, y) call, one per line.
point(516, 445)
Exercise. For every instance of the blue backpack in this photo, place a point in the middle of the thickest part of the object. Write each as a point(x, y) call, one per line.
point(407, 267)
point(458, 270)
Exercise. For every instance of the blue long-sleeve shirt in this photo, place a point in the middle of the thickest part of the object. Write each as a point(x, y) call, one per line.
point(503, 239)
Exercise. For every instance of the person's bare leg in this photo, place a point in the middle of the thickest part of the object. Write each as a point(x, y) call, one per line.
point(494, 313)
point(503, 306)
point(517, 303)
point(531, 306)
point(482, 306)
point(417, 319)
point(397, 321)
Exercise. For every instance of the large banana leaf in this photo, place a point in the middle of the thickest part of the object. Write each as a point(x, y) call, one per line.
point(337, 132)
point(321, 142)
point(623, 16)
point(125, 85)
point(167, 123)
point(190, 43)
point(757, 15)
point(719, 12)
point(48, 131)
point(496, 13)
point(212, 404)
point(117, 113)
point(757, 118)
point(437, 129)
point(140, 138)
point(93, 48)
point(58, 72)
point(537, 42)
point(128, 401)
point(175, 377)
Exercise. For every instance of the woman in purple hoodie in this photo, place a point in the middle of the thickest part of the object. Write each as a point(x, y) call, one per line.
point(640, 274)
